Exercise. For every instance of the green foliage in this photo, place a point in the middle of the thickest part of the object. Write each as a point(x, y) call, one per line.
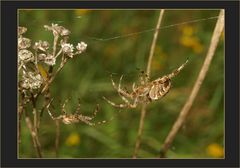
point(87, 77)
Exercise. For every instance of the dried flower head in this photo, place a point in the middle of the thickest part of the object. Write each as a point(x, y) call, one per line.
point(41, 45)
point(81, 47)
point(31, 80)
point(23, 43)
point(21, 30)
point(25, 56)
point(57, 30)
point(41, 57)
point(50, 60)
point(67, 48)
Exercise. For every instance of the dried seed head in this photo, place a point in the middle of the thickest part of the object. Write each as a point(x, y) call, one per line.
point(25, 56)
point(41, 57)
point(81, 47)
point(23, 43)
point(57, 30)
point(50, 60)
point(31, 80)
point(67, 48)
point(21, 30)
point(64, 32)
point(41, 45)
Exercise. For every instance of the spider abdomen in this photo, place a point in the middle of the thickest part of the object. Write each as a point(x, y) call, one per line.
point(158, 90)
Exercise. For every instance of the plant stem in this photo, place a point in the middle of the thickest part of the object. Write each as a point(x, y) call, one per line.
point(55, 74)
point(20, 112)
point(35, 140)
point(35, 114)
point(154, 42)
point(57, 137)
point(185, 110)
point(143, 111)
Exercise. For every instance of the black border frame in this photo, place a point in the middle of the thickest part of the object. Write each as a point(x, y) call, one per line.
point(9, 84)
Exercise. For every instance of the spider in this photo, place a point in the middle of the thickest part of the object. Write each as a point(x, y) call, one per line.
point(76, 117)
point(147, 92)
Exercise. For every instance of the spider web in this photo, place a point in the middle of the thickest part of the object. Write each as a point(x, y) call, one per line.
point(152, 29)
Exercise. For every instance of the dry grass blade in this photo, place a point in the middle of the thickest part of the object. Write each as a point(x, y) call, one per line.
point(185, 110)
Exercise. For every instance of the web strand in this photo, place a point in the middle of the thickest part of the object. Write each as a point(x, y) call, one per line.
point(150, 30)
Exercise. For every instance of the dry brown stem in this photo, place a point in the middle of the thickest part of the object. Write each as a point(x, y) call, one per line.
point(20, 112)
point(185, 110)
point(57, 137)
point(35, 140)
point(143, 111)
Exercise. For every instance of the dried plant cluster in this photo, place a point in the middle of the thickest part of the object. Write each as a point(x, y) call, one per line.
point(36, 63)
point(41, 55)
point(38, 66)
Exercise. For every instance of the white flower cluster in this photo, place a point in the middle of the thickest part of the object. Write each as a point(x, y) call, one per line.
point(57, 30)
point(50, 60)
point(28, 61)
point(31, 80)
point(23, 43)
point(68, 48)
point(81, 47)
point(25, 56)
point(41, 45)
point(21, 30)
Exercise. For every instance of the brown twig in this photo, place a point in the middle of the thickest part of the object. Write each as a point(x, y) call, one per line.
point(143, 111)
point(33, 129)
point(35, 114)
point(185, 110)
point(20, 112)
point(57, 137)
point(35, 140)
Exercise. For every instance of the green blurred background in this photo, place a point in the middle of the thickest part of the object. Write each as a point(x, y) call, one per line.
point(87, 77)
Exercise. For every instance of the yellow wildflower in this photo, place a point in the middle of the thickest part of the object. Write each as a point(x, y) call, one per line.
point(187, 41)
point(187, 30)
point(81, 11)
point(192, 42)
point(73, 139)
point(198, 48)
point(215, 150)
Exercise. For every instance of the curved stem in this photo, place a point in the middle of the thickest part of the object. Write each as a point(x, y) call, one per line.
point(185, 110)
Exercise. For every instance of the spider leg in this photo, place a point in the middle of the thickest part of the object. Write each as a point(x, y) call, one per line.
point(63, 106)
point(134, 87)
point(95, 111)
point(124, 99)
point(87, 120)
point(78, 107)
point(49, 112)
point(115, 105)
point(121, 105)
point(119, 87)
point(176, 71)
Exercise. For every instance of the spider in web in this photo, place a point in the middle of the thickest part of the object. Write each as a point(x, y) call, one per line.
point(147, 91)
point(76, 117)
